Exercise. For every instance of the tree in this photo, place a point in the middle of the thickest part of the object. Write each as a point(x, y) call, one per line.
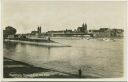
point(9, 31)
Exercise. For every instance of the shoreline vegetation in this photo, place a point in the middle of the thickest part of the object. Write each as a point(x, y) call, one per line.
point(18, 69)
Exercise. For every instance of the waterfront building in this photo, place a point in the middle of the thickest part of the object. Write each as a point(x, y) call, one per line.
point(106, 32)
point(38, 32)
point(82, 29)
point(117, 32)
point(94, 33)
point(34, 33)
point(56, 33)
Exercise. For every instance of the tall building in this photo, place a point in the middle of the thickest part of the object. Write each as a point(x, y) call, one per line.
point(38, 32)
point(39, 29)
point(82, 29)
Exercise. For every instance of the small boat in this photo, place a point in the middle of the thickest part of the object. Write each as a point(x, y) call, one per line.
point(113, 40)
point(106, 39)
point(88, 38)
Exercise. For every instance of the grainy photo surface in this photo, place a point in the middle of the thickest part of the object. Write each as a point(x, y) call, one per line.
point(63, 39)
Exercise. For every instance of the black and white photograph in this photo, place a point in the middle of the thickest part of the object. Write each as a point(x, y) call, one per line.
point(63, 39)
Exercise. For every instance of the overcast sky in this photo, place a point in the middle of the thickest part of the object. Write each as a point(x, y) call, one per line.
point(25, 15)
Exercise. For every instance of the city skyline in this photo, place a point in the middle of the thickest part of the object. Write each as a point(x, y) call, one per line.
point(26, 16)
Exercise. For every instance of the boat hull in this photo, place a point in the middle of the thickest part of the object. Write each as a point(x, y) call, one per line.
point(48, 44)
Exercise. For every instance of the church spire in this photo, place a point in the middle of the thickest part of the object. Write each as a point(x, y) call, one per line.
point(83, 25)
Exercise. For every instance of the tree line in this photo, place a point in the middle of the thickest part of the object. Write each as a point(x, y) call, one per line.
point(9, 30)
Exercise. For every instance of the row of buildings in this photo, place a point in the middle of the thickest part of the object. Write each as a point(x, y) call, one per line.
point(80, 32)
point(83, 32)
point(106, 32)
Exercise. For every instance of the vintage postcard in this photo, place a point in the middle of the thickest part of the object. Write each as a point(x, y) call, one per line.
point(64, 40)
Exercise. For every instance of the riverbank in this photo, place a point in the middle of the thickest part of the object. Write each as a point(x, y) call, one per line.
point(17, 69)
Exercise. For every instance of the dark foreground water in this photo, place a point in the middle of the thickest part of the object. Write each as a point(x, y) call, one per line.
point(95, 57)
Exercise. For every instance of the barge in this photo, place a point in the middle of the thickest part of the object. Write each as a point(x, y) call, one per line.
point(38, 41)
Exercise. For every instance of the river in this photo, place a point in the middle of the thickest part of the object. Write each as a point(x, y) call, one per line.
point(95, 57)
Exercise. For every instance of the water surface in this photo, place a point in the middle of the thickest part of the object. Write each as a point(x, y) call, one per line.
point(97, 58)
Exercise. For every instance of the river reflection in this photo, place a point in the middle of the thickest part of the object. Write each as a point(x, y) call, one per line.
point(97, 58)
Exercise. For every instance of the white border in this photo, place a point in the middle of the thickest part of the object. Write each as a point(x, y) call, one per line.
point(1, 42)
point(125, 78)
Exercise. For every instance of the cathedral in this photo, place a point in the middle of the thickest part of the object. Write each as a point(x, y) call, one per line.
point(82, 29)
